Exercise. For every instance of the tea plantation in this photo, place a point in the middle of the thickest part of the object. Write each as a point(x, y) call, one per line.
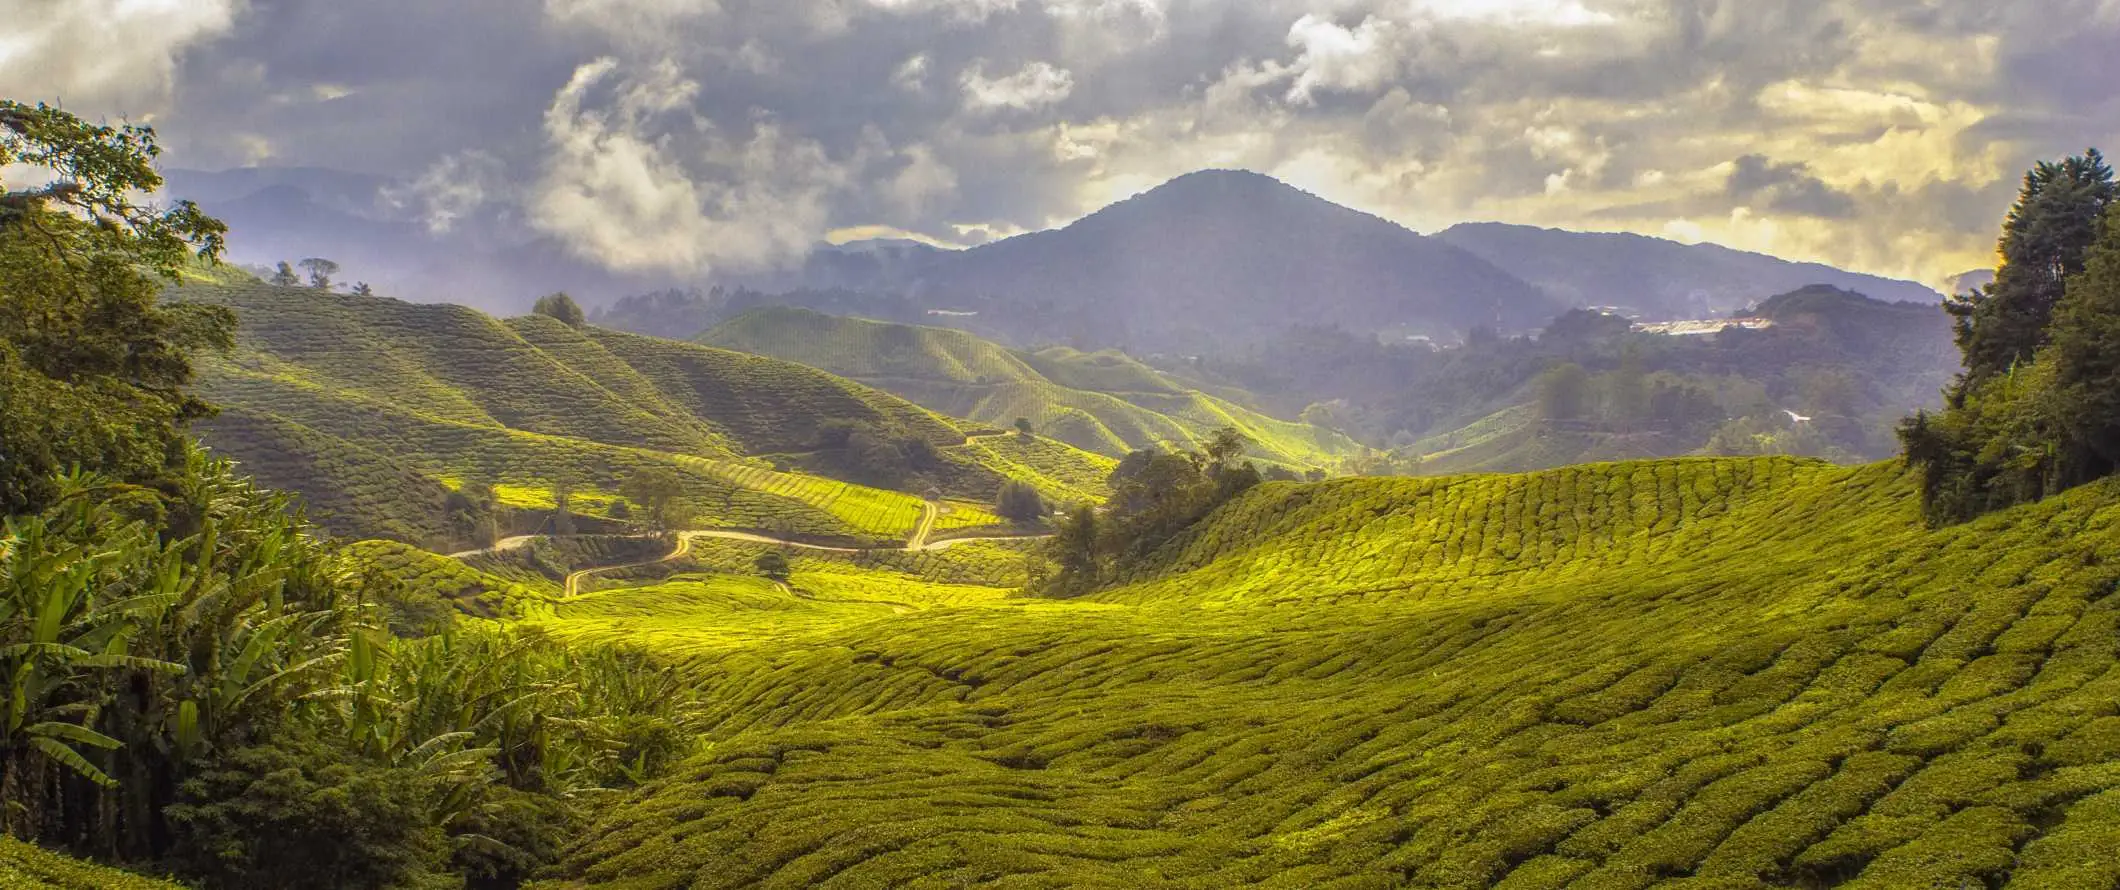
point(375, 410)
point(1101, 402)
point(1686, 673)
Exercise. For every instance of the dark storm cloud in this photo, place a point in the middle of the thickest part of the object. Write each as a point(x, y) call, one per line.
point(1787, 187)
point(692, 134)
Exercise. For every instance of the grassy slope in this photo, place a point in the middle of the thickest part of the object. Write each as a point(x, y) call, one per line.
point(24, 867)
point(1694, 673)
point(324, 386)
point(1102, 402)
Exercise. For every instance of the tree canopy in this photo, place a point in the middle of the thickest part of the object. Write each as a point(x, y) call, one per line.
point(94, 369)
point(2037, 409)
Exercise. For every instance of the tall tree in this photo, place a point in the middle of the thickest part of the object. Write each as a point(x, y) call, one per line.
point(2085, 355)
point(94, 370)
point(320, 271)
point(2059, 211)
point(284, 276)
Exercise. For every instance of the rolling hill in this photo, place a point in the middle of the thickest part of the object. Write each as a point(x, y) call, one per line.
point(375, 409)
point(1102, 402)
point(1656, 278)
point(1692, 673)
point(1207, 261)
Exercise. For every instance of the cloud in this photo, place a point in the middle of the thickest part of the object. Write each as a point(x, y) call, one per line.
point(103, 56)
point(1337, 58)
point(454, 188)
point(1786, 187)
point(623, 188)
point(1035, 85)
point(1885, 135)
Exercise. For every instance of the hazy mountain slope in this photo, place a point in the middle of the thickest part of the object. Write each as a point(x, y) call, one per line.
point(1103, 402)
point(1704, 673)
point(1205, 261)
point(373, 408)
point(378, 231)
point(1658, 278)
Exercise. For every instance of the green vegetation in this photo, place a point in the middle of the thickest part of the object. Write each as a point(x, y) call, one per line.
point(25, 867)
point(375, 410)
point(1831, 378)
point(194, 679)
point(2036, 411)
point(1744, 672)
point(1103, 402)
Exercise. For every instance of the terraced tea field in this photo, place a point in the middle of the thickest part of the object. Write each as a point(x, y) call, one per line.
point(373, 410)
point(1693, 673)
point(1104, 402)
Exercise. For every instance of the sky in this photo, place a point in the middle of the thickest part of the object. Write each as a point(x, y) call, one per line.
point(687, 136)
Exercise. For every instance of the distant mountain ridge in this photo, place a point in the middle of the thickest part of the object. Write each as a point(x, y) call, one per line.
point(1207, 260)
point(1657, 278)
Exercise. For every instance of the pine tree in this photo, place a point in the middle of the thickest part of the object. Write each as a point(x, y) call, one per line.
point(2086, 357)
point(2045, 238)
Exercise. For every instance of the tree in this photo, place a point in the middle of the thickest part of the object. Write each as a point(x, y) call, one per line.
point(2059, 211)
point(2035, 410)
point(2086, 357)
point(1020, 502)
point(562, 509)
point(361, 289)
point(284, 276)
point(1564, 392)
point(655, 490)
point(1023, 427)
point(320, 272)
point(95, 371)
point(562, 307)
point(772, 565)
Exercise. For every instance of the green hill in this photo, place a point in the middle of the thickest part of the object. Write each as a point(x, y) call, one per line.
point(1701, 673)
point(375, 409)
point(1104, 402)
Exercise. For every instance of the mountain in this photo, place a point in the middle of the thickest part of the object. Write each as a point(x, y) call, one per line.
point(1655, 278)
point(1592, 386)
point(1204, 262)
point(1103, 402)
point(1690, 673)
point(375, 410)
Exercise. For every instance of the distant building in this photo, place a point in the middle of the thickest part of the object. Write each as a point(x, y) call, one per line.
point(953, 313)
point(1697, 327)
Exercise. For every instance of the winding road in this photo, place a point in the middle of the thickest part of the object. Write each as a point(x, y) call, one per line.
point(917, 543)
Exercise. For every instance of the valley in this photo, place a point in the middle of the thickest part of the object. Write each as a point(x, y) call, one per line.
point(1225, 536)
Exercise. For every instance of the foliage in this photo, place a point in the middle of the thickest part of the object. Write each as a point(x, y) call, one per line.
point(2059, 213)
point(1156, 496)
point(2046, 420)
point(562, 307)
point(772, 566)
point(94, 372)
point(297, 813)
point(1020, 503)
point(26, 867)
point(1699, 672)
point(320, 272)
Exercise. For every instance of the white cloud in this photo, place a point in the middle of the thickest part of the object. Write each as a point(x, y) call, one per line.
point(1035, 85)
point(911, 75)
point(1334, 58)
point(102, 56)
point(620, 188)
point(453, 188)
